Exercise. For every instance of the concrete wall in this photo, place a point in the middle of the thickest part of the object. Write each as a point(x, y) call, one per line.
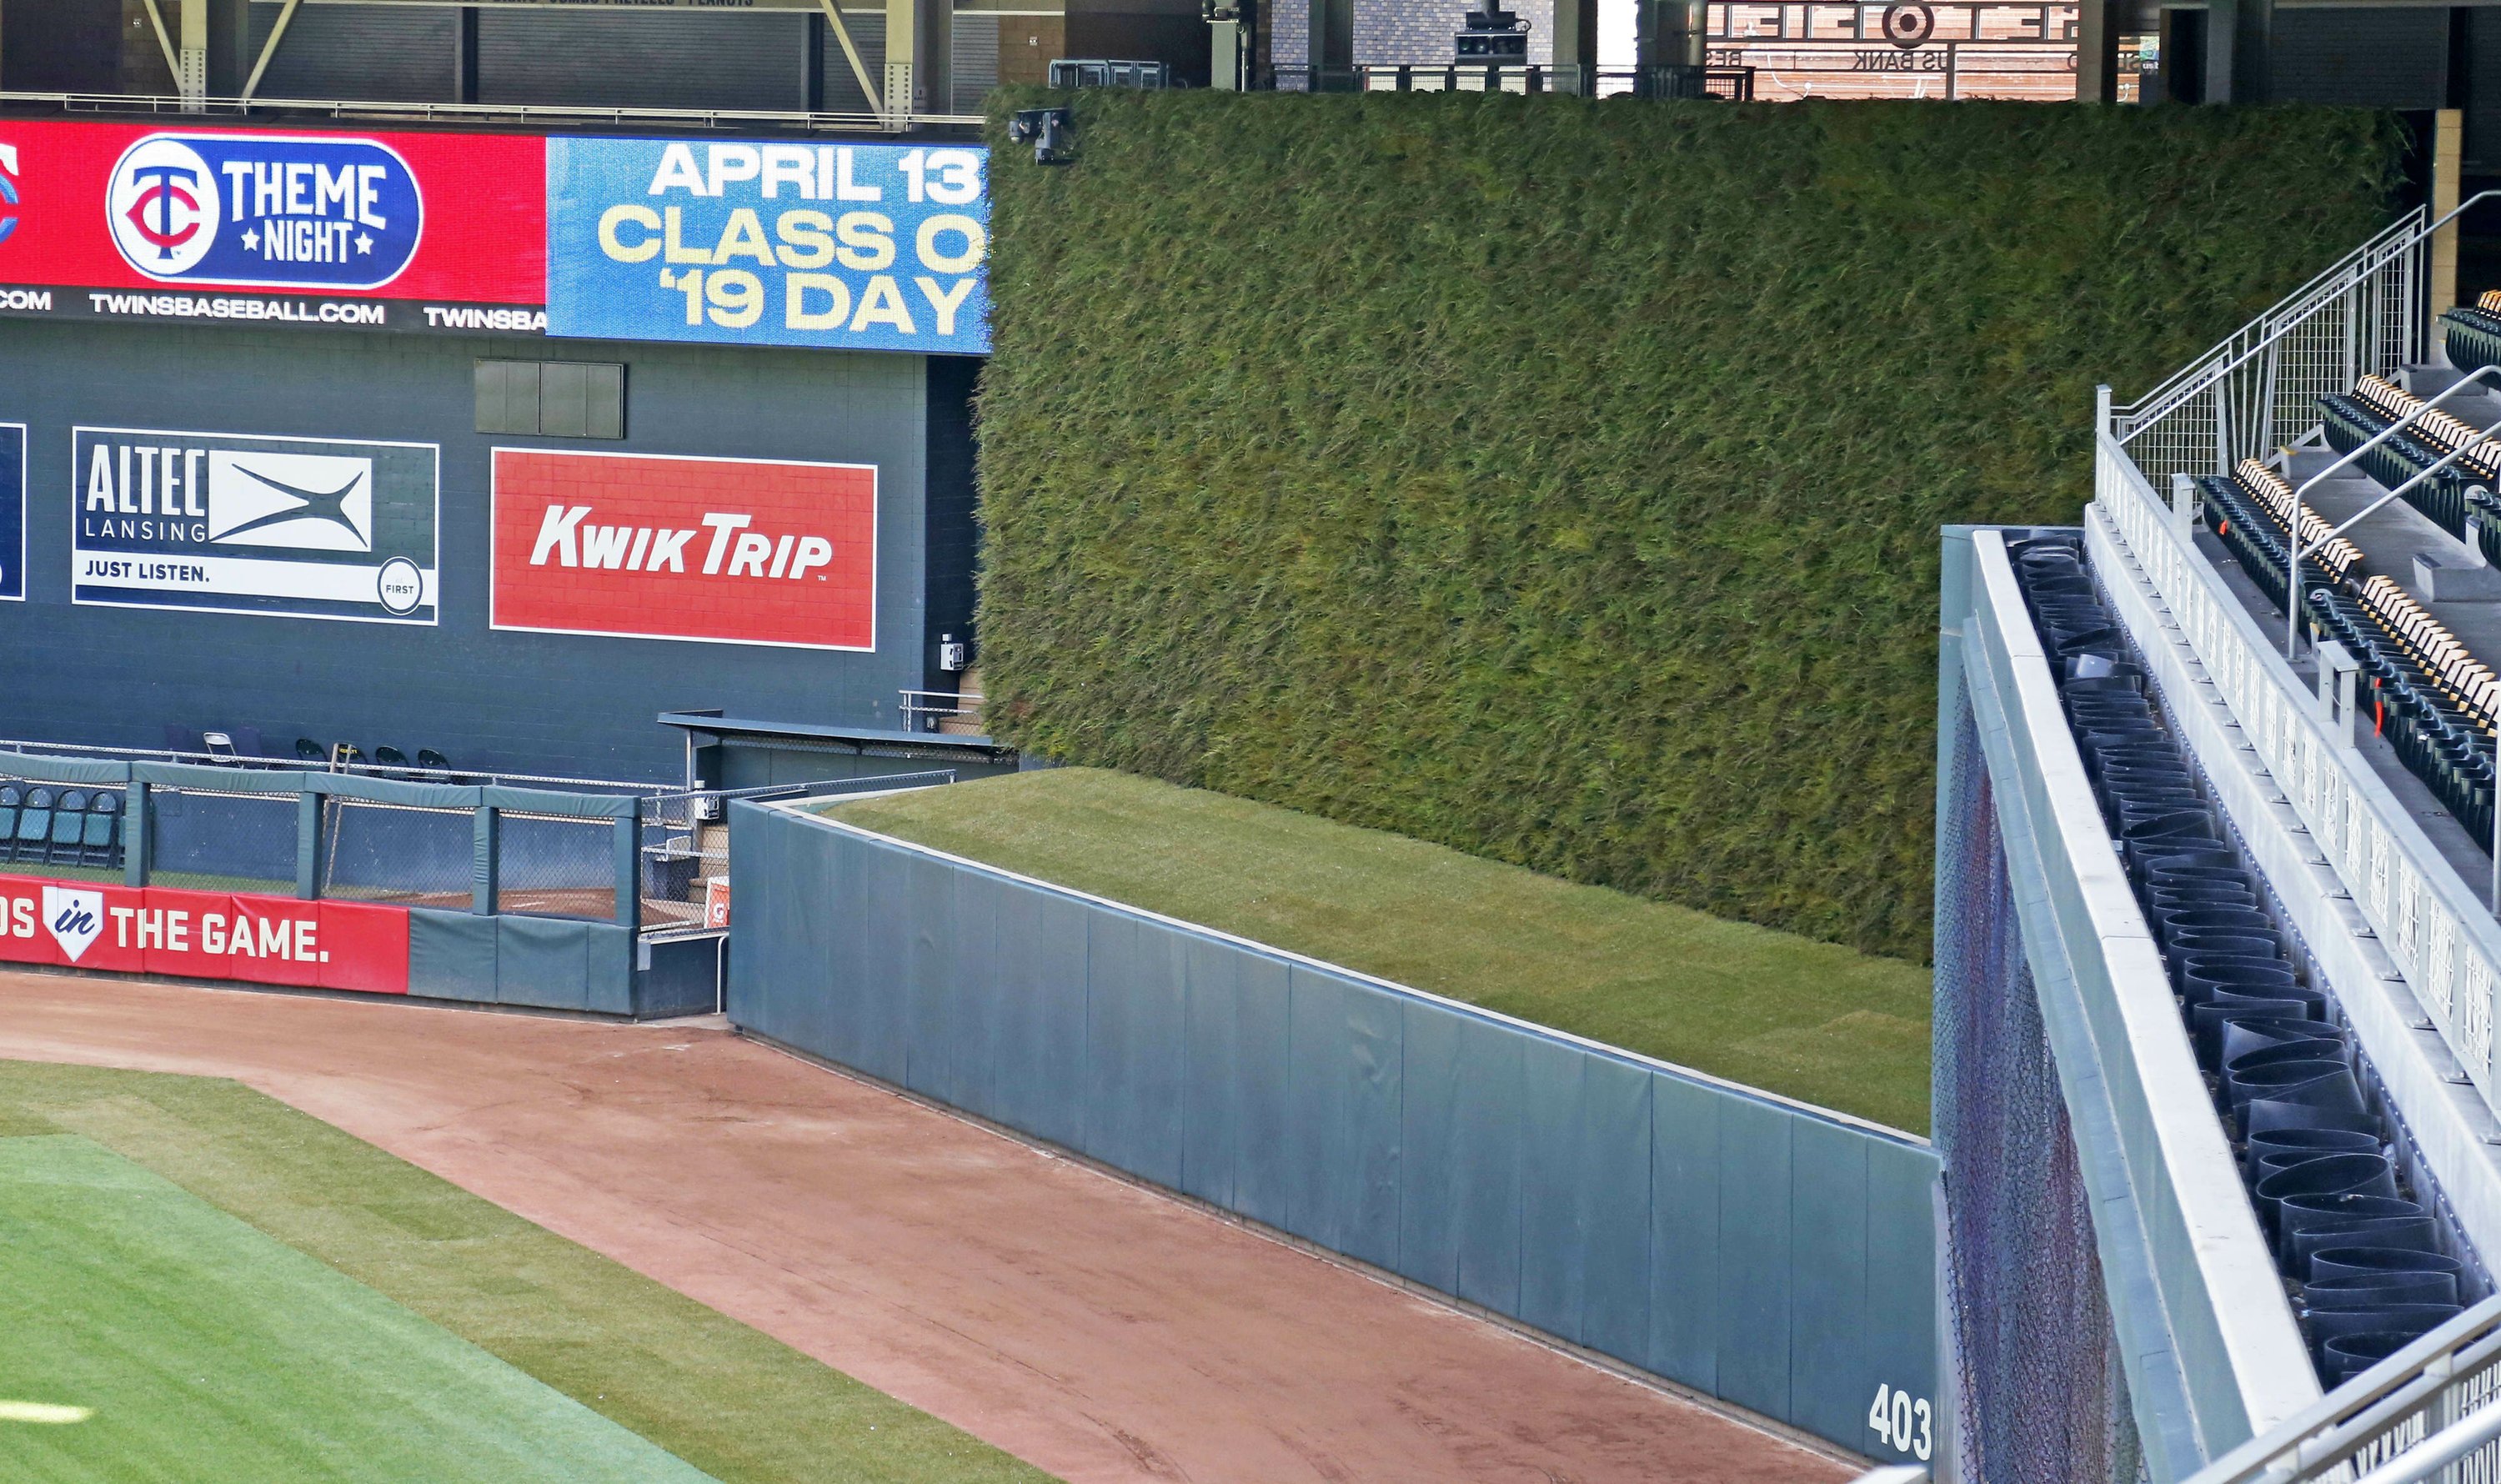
point(547, 703)
point(1761, 1251)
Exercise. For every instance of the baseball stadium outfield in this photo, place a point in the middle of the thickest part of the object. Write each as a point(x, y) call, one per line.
point(445, 1244)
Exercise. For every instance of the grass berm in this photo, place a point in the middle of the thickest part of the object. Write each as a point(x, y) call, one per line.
point(1814, 1021)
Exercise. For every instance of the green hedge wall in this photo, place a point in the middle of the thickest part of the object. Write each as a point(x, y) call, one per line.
point(1560, 480)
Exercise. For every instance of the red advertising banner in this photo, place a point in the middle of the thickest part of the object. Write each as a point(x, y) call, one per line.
point(376, 231)
point(725, 550)
point(329, 945)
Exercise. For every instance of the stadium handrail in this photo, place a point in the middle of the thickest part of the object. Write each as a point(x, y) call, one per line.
point(2386, 307)
point(2132, 418)
point(2292, 604)
point(2412, 1414)
point(477, 113)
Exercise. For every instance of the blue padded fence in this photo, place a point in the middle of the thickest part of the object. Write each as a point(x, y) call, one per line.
point(1770, 1254)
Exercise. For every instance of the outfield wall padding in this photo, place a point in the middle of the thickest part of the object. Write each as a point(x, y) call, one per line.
point(541, 963)
point(1765, 1252)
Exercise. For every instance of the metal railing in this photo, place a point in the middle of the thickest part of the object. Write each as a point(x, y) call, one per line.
point(2368, 314)
point(531, 115)
point(2426, 916)
point(931, 710)
point(684, 843)
point(2424, 1412)
point(407, 771)
point(1731, 85)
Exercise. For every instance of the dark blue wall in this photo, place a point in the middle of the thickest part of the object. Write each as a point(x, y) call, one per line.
point(1757, 1250)
point(545, 703)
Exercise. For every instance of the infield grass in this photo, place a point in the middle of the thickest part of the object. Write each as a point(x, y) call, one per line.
point(1809, 1020)
point(725, 1399)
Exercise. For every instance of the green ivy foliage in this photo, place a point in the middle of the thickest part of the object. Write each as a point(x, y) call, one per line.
point(1560, 480)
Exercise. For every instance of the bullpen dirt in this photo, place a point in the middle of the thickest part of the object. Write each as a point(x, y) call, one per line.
point(1097, 1330)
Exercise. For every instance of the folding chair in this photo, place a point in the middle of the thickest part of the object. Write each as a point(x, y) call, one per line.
point(69, 826)
point(101, 843)
point(34, 827)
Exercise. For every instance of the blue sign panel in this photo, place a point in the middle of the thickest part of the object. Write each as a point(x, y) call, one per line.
point(296, 210)
point(13, 510)
point(841, 247)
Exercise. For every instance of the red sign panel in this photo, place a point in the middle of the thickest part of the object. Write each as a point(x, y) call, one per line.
point(328, 945)
point(727, 551)
point(419, 231)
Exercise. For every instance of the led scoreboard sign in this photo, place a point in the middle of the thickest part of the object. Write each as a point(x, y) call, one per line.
point(823, 245)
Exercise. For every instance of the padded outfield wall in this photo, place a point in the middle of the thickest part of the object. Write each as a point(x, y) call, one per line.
point(1765, 1252)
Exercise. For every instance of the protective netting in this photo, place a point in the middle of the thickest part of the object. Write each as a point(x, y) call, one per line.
point(207, 841)
point(548, 865)
point(2038, 1391)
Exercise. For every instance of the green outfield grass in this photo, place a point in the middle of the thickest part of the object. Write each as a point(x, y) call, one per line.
point(185, 1321)
point(1809, 1020)
point(152, 1335)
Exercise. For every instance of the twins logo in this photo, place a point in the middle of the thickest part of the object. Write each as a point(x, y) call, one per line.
point(74, 917)
point(264, 212)
point(8, 189)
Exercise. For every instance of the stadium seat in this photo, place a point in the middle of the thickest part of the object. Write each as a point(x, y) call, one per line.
point(12, 799)
point(391, 757)
point(34, 827)
point(2473, 332)
point(100, 845)
point(309, 750)
point(2446, 497)
point(428, 757)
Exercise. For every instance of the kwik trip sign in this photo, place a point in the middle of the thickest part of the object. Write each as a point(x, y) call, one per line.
point(835, 245)
point(727, 551)
point(304, 527)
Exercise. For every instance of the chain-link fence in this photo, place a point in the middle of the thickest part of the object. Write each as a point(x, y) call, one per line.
point(685, 852)
point(404, 855)
point(208, 840)
point(2040, 1395)
point(555, 866)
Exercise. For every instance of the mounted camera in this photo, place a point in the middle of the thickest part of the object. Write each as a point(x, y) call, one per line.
point(1493, 35)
